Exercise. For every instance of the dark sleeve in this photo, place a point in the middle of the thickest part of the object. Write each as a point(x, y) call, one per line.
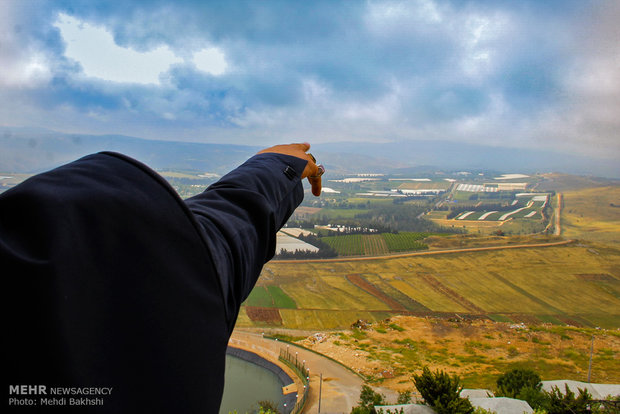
point(108, 282)
point(240, 215)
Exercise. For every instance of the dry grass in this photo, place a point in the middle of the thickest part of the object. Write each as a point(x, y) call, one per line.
point(477, 351)
point(588, 214)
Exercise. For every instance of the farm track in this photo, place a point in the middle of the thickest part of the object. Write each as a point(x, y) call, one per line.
point(429, 253)
point(433, 282)
point(527, 294)
point(409, 303)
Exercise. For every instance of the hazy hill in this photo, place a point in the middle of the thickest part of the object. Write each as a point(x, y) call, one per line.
point(35, 149)
point(459, 156)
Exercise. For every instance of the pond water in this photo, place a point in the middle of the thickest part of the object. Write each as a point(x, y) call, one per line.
point(246, 384)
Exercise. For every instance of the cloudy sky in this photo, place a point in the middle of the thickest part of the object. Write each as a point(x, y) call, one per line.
point(529, 74)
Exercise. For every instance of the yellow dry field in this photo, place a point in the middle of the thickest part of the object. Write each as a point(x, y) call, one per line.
point(416, 287)
point(592, 214)
point(577, 284)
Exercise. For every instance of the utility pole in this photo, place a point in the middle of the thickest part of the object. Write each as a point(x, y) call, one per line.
point(590, 364)
point(320, 391)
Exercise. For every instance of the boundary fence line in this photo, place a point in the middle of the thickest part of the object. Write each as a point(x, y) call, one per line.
point(302, 372)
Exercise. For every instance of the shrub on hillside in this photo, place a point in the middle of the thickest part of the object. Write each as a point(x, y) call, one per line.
point(368, 399)
point(512, 382)
point(558, 402)
point(441, 391)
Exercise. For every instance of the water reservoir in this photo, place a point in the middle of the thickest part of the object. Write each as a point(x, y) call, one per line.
point(247, 383)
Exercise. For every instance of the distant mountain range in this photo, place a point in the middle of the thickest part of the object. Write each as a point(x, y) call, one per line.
point(34, 150)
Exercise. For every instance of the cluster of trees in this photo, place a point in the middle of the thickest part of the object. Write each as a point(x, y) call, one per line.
point(264, 407)
point(439, 390)
point(442, 392)
point(526, 385)
point(386, 218)
point(369, 399)
point(402, 218)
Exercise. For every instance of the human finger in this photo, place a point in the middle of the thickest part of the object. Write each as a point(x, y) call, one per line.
point(315, 181)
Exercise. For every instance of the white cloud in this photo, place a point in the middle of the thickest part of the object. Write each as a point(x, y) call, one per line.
point(21, 66)
point(389, 15)
point(29, 71)
point(100, 57)
point(211, 60)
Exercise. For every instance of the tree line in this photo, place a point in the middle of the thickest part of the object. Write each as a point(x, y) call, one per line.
point(442, 392)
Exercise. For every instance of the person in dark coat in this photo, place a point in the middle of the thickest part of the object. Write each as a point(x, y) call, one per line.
point(112, 280)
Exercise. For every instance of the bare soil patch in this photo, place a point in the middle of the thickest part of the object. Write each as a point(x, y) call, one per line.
point(264, 315)
point(363, 284)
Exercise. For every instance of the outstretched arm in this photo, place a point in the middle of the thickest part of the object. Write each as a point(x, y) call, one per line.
point(242, 212)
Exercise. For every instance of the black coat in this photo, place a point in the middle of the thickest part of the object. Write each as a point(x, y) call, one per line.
point(111, 280)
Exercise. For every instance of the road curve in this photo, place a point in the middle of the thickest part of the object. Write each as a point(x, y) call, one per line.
point(427, 253)
point(340, 388)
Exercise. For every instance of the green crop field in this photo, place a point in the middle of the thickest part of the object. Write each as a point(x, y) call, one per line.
point(270, 297)
point(376, 244)
point(405, 241)
point(281, 299)
point(259, 297)
point(346, 245)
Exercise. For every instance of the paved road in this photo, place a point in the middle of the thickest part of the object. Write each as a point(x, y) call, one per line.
point(340, 389)
point(429, 253)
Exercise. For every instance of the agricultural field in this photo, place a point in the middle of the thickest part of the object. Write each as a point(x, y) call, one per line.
point(592, 214)
point(574, 284)
point(525, 206)
point(404, 241)
point(476, 314)
point(420, 185)
point(270, 297)
point(376, 244)
point(347, 245)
